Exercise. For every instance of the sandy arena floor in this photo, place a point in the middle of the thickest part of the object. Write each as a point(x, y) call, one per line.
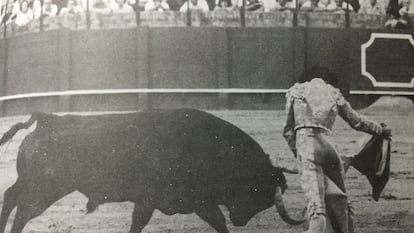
point(394, 213)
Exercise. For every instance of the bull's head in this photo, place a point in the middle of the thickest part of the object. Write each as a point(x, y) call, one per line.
point(254, 198)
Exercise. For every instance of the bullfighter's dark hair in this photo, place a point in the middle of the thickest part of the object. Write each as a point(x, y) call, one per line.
point(326, 75)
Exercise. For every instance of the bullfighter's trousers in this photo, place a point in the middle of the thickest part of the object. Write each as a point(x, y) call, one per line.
point(319, 162)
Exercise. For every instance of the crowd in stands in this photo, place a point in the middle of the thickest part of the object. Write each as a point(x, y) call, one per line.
point(21, 12)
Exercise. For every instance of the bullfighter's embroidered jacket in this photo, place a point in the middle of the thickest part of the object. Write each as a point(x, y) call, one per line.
point(315, 104)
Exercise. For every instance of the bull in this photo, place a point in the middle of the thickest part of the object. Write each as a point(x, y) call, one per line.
point(177, 161)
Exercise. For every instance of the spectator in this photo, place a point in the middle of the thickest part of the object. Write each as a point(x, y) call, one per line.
point(31, 2)
point(326, 5)
point(404, 12)
point(224, 5)
point(353, 5)
point(309, 5)
point(49, 9)
point(121, 7)
point(157, 5)
point(345, 7)
point(406, 8)
point(271, 5)
point(287, 5)
point(385, 3)
point(251, 5)
point(393, 14)
point(72, 9)
point(411, 9)
point(235, 3)
point(100, 7)
point(398, 15)
point(36, 7)
point(141, 4)
point(8, 16)
point(372, 7)
point(195, 5)
point(73, 15)
point(134, 4)
point(60, 4)
point(16, 6)
point(24, 15)
point(84, 4)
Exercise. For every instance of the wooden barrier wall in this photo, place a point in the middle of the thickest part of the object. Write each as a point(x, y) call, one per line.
point(178, 57)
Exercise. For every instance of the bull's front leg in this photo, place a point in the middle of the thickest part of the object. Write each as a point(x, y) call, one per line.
point(214, 217)
point(140, 217)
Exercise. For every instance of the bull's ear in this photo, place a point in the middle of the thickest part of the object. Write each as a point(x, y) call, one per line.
point(279, 178)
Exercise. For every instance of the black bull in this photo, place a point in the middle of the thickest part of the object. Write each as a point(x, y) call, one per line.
point(176, 161)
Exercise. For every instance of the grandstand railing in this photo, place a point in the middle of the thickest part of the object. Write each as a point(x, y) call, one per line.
point(211, 18)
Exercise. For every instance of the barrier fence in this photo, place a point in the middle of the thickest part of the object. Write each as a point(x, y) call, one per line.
point(58, 65)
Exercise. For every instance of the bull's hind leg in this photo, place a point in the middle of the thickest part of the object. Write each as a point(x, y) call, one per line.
point(10, 198)
point(214, 217)
point(140, 217)
point(33, 202)
point(28, 211)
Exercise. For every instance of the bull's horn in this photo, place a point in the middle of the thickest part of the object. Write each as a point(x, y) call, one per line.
point(280, 206)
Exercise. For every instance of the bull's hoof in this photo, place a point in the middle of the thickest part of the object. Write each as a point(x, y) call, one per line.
point(240, 224)
point(91, 207)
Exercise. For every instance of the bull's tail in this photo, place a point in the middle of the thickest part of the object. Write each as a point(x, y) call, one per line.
point(15, 128)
